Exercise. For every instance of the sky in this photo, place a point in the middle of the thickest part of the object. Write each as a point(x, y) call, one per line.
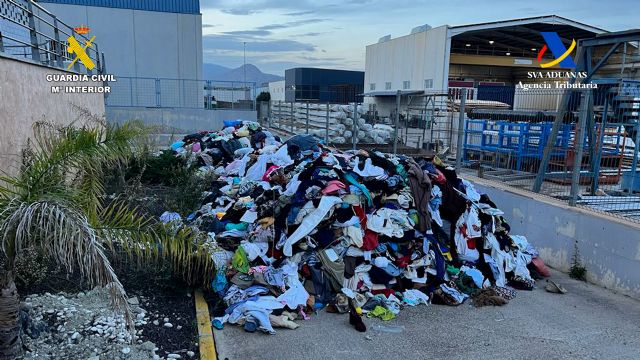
point(280, 34)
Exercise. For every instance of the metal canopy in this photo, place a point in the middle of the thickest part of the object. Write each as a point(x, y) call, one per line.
point(520, 37)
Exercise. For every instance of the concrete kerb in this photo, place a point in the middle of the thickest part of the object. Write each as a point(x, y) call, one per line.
point(206, 341)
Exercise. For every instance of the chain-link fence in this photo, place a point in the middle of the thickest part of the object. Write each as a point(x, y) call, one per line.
point(181, 93)
point(574, 145)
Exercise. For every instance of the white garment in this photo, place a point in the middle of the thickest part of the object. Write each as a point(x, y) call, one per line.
point(254, 250)
point(310, 222)
point(389, 222)
point(369, 170)
point(295, 295)
point(354, 234)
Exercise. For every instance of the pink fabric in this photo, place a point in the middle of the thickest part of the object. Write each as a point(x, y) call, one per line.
point(332, 186)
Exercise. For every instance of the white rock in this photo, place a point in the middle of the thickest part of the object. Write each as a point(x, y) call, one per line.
point(133, 300)
point(75, 335)
point(148, 345)
point(191, 354)
point(174, 356)
point(168, 325)
point(156, 322)
point(166, 319)
point(126, 350)
point(179, 327)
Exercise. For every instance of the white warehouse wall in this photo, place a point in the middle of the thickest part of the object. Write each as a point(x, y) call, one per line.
point(276, 90)
point(140, 43)
point(414, 57)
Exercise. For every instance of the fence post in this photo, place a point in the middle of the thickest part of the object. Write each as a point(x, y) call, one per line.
point(59, 48)
point(292, 121)
point(157, 92)
point(354, 136)
point(634, 162)
point(396, 121)
point(326, 127)
point(307, 117)
point(577, 160)
point(460, 146)
point(35, 50)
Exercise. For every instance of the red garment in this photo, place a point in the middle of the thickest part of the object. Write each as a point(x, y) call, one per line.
point(540, 267)
point(386, 292)
point(370, 240)
point(402, 262)
point(471, 243)
point(362, 216)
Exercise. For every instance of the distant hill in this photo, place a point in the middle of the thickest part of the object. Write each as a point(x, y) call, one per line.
point(212, 71)
point(217, 72)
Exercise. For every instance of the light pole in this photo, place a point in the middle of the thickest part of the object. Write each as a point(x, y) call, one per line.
point(244, 62)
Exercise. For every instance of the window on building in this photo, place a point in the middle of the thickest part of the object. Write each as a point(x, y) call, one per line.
point(387, 86)
point(428, 83)
point(372, 86)
point(406, 85)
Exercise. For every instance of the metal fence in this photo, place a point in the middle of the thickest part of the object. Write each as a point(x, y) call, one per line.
point(181, 93)
point(421, 123)
point(29, 31)
point(574, 145)
point(504, 134)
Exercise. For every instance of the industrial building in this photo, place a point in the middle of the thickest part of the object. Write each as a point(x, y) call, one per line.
point(323, 85)
point(489, 59)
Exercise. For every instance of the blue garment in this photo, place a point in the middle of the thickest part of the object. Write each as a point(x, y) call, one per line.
point(351, 179)
point(439, 258)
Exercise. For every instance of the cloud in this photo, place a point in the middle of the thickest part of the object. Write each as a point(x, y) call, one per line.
point(204, 26)
point(290, 24)
point(300, 13)
point(239, 11)
point(235, 42)
point(312, 34)
point(249, 32)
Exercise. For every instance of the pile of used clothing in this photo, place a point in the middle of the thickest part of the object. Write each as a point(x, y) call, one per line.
point(297, 227)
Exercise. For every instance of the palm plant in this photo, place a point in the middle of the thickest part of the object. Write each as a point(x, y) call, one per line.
point(56, 204)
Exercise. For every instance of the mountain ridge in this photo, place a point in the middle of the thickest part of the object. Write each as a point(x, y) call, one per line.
point(253, 74)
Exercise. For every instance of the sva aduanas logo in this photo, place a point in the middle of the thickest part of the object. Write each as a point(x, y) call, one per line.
point(559, 51)
point(80, 51)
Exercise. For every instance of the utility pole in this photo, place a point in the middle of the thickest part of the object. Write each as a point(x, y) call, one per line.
point(244, 62)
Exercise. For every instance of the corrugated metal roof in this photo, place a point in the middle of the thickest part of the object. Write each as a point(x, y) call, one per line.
point(174, 6)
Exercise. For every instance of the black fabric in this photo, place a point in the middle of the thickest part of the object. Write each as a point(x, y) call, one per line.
point(379, 276)
point(349, 266)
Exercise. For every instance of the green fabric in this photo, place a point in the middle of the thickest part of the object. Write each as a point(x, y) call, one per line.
point(466, 284)
point(402, 172)
point(241, 226)
point(240, 261)
point(381, 313)
point(452, 270)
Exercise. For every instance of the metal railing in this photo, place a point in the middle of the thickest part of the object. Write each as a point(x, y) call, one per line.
point(181, 93)
point(29, 31)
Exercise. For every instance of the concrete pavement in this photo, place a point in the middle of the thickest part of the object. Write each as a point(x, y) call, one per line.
point(588, 322)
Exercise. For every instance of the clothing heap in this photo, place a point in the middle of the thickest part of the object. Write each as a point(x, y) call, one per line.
point(296, 227)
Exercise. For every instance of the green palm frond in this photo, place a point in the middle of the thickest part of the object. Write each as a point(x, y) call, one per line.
point(145, 241)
